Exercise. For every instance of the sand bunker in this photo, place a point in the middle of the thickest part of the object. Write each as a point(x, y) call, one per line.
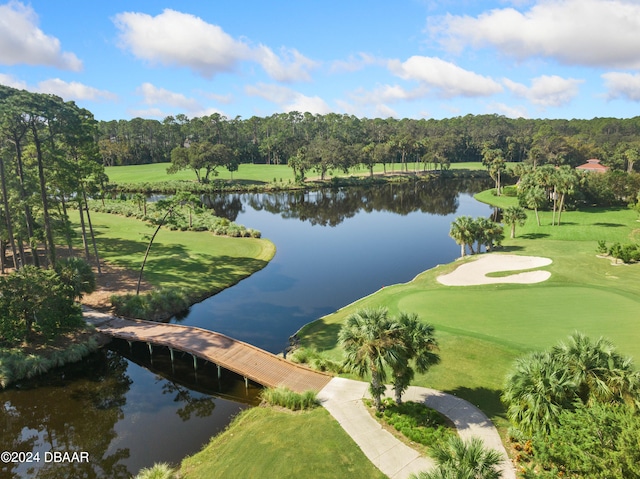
point(474, 272)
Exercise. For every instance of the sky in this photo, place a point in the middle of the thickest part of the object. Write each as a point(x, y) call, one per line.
point(368, 58)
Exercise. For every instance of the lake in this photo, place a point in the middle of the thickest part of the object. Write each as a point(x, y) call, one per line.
point(333, 247)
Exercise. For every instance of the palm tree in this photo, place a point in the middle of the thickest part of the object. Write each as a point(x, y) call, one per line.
point(513, 215)
point(598, 371)
point(458, 459)
point(462, 233)
point(566, 182)
point(420, 344)
point(534, 198)
point(371, 342)
point(536, 392)
point(487, 233)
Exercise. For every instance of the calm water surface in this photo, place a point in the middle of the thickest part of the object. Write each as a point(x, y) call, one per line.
point(333, 247)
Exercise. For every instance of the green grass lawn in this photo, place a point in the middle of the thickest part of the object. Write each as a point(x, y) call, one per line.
point(482, 329)
point(266, 442)
point(247, 173)
point(199, 261)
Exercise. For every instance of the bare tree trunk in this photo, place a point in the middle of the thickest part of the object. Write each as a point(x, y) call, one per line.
point(7, 217)
point(67, 231)
point(83, 230)
point(50, 247)
point(146, 254)
point(93, 236)
point(27, 209)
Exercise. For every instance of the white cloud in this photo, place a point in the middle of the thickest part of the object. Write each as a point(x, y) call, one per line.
point(546, 90)
point(448, 79)
point(73, 90)
point(509, 110)
point(378, 99)
point(13, 82)
point(153, 95)
point(179, 39)
point(147, 113)
point(384, 111)
point(55, 86)
point(622, 85)
point(175, 38)
point(291, 66)
point(355, 63)
point(228, 98)
point(288, 99)
point(574, 32)
point(22, 42)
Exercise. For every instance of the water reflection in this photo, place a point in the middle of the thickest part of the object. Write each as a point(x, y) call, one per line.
point(74, 410)
point(114, 409)
point(333, 247)
point(332, 206)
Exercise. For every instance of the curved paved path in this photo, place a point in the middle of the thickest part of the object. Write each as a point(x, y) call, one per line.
point(343, 399)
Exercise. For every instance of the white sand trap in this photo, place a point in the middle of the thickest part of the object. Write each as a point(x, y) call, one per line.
point(474, 272)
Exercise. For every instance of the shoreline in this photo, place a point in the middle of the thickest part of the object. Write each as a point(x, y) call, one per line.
point(26, 362)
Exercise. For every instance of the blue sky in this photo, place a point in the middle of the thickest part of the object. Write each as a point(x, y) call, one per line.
point(373, 58)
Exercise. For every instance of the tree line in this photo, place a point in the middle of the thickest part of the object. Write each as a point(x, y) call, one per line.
point(49, 162)
point(338, 141)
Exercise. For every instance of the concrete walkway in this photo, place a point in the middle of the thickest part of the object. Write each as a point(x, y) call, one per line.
point(343, 399)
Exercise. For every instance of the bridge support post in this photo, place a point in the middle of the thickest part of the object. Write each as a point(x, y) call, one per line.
point(130, 346)
point(150, 352)
point(195, 366)
point(171, 354)
point(246, 383)
point(219, 371)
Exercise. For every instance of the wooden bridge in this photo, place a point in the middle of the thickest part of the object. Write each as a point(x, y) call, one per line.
point(244, 359)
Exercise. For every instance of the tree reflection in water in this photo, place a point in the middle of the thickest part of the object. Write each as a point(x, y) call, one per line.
point(331, 206)
point(72, 409)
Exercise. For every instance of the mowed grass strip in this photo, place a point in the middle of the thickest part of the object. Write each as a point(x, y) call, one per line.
point(157, 172)
point(266, 442)
point(247, 173)
point(198, 261)
point(482, 329)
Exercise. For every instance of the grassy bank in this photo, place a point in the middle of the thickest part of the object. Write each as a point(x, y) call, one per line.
point(247, 173)
point(38, 357)
point(265, 442)
point(482, 329)
point(199, 262)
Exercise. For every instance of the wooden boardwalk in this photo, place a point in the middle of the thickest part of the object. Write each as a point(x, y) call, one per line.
point(244, 359)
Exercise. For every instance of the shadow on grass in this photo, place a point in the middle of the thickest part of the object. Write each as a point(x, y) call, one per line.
point(172, 264)
point(320, 335)
point(534, 235)
point(506, 249)
point(488, 400)
point(609, 225)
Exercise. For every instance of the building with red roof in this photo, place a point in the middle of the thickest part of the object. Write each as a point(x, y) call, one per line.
point(593, 165)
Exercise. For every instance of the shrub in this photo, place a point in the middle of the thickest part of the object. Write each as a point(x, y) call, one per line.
point(416, 422)
point(602, 247)
point(36, 300)
point(160, 470)
point(201, 219)
point(15, 364)
point(510, 190)
point(157, 305)
point(289, 399)
point(77, 273)
point(314, 359)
